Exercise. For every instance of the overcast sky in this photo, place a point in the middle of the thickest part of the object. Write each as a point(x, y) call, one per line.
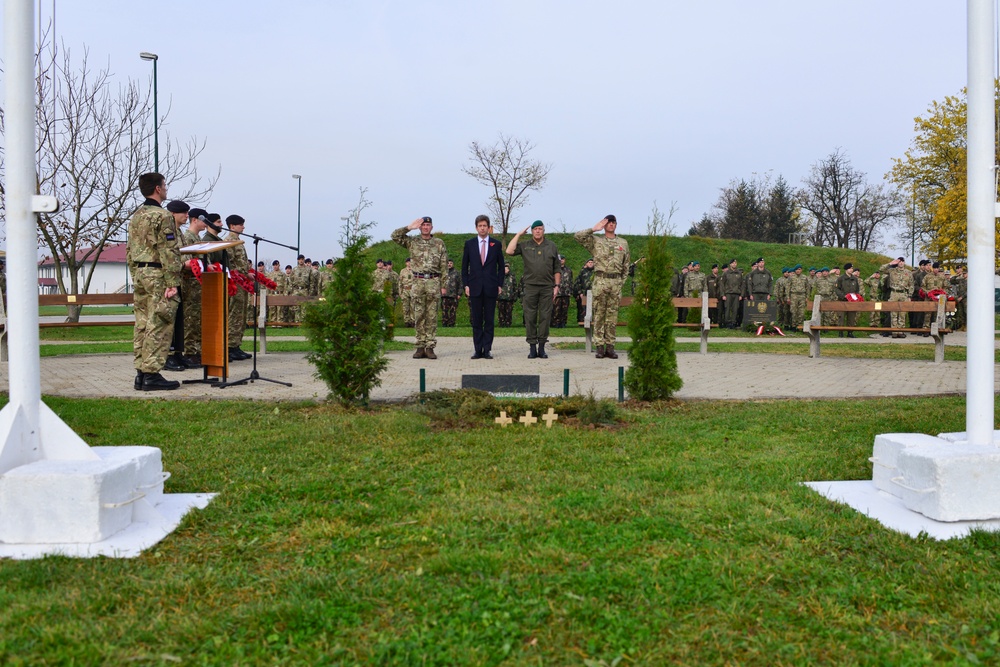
point(631, 102)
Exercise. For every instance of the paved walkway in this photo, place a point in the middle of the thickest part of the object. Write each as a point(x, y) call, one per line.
point(711, 376)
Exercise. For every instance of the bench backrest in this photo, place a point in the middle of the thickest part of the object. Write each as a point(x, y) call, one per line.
point(884, 306)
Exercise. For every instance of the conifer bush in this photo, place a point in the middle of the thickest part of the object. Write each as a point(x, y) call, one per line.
point(652, 374)
point(348, 327)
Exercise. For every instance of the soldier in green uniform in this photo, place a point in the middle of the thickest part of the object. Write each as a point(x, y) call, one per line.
point(611, 263)
point(560, 308)
point(429, 263)
point(900, 281)
point(848, 283)
point(826, 288)
point(239, 302)
point(695, 282)
point(301, 277)
point(960, 289)
point(731, 288)
point(781, 296)
point(584, 281)
point(540, 284)
point(712, 281)
point(154, 260)
point(451, 295)
point(507, 297)
point(798, 297)
point(278, 276)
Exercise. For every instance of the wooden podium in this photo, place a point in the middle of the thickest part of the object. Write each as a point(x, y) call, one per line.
point(214, 312)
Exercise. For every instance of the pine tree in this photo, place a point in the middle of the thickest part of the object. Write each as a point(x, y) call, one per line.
point(653, 374)
point(347, 329)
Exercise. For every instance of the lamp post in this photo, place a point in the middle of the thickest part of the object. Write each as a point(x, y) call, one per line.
point(146, 55)
point(298, 227)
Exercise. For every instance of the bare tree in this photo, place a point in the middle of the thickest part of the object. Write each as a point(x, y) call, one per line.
point(507, 168)
point(94, 140)
point(846, 211)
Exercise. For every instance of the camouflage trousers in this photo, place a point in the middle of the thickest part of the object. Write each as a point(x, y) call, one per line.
point(407, 298)
point(899, 319)
point(607, 297)
point(154, 320)
point(505, 313)
point(560, 311)
point(238, 307)
point(797, 310)
point(449, 311)
point(784, 314)
point(581, 310)
point(829, 319)
point(191, 297)
point(424, 296)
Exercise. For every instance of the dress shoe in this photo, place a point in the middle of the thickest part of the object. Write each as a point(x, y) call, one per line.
point(487, 355)
point(850, 334)
point(532, 351)
point(610, 353)
point(156, 382)
point(236, 354)
point(600, 352)
point(138, 380)
point(174, 363)
point(541, 351)
point(429, 353)
point(476, 356)
point(419, 353)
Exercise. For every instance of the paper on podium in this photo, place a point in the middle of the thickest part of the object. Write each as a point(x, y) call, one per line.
point(209, 246)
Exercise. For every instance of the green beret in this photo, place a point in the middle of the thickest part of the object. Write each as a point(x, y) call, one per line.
point(796, 267)
point(537, 223)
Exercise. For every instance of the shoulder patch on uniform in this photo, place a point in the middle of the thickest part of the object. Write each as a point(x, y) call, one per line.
point(170, 236)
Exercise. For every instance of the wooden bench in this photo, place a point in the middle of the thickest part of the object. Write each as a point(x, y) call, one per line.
point(703, 327)
point(813, 327)
point(87, 300)
point(275, 301)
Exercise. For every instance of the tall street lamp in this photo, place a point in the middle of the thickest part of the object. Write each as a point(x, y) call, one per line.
point(146, 55)
point(298, 232)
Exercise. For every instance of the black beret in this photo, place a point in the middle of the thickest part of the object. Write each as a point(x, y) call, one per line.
point(936, 265)
point(177, 206)
point(198, 213)
point(611, 218)
point(214, 217)
point(848, 266)
point(715, 266)
point(235, 220)
point(758, 260)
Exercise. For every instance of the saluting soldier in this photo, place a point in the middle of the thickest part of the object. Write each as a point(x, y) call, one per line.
point(540, 284)
point(611, 263)
point(429, 263)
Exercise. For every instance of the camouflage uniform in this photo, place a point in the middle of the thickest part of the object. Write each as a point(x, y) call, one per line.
point(325, 278)
point(900, 288)
point(301, 280)
point(560, 307)
point(429, 262)
point(611, 264)
point(826, 289)
point(406, 281)
point(275, 313)
point(781, 294)
point(239, 302)
point(505, 302)
point(583, 282)
point(154, 259)
point(798, 297)
point(449, 300)
point(960, 290)
point(191, 298)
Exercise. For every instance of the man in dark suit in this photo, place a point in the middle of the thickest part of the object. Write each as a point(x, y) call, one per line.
point(482, 275)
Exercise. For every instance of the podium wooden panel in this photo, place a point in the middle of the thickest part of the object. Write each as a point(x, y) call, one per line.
point(214, 325)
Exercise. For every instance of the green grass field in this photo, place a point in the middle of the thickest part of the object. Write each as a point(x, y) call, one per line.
point(682, 536)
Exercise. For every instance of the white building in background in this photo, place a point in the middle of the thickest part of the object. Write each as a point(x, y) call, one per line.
point(110, 276)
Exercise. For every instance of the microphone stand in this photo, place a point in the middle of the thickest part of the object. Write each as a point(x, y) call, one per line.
point(254, 375)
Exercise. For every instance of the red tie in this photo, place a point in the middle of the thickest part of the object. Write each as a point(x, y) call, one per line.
point(482, 251)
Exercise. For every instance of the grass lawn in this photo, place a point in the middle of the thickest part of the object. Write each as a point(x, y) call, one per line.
point(681, 537)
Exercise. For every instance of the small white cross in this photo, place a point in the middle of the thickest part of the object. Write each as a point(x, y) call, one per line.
point(527, 419)
point(503, 419)
point(550, 417)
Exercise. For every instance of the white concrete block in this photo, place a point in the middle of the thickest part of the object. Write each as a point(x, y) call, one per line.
point(66, 501)
point(149, 467)
point(963, 437)
point(949, 481)
point(885, 457)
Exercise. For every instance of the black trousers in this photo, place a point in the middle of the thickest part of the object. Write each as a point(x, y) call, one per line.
point(481, 311)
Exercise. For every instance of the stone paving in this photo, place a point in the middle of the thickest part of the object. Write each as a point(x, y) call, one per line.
point(713, 376)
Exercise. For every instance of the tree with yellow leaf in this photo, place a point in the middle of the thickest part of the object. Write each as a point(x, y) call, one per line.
point(933, 172)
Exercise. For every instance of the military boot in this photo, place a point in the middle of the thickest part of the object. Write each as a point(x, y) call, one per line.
point(533, 351)
point(609, 352)
point(174, 363)
point(156, 382)
point(138, 380)
point(429, 353)
point(419, 353)
point(541, 351)
point(600, 352)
